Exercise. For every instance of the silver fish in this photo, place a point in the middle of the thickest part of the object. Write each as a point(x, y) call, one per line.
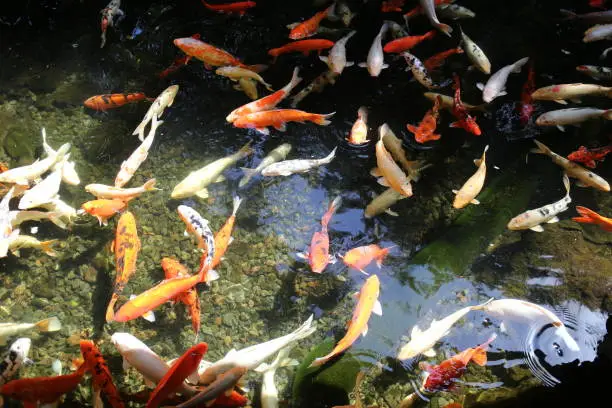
point(430, 12)
point(454, 11)
point(336, 60)
point(596, 72)
point(594, 17)
point(14, 359)
point(164, 100)
point(496, 85)
point(317, 85)
point(274, 156)
point(288, 167)
point(598, 33)
point(376, 59)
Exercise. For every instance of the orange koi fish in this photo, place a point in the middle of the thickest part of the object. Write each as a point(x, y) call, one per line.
point(303, 46)
point(419, 9)
point(102, 379)
point(278, 118)
point(366, 305)
point(318, 254)
point(359, 131)
point(590, 156)
point(224, 236)
point(210, 55)
point(267, 102)
point(172, 269)
point(464, 120)
point(361, 257)
point(309, 27)
point(405, 43)
point(392, 5)
point(126, 247)
point(239, 7)
point(112, 101)
point(178, 63)
point(176, 375)
point(442, 376)
point(591, 217)
point(526, 107)
point(42, 390)
point(438, 59)
point(425, 131)
point(104, 209)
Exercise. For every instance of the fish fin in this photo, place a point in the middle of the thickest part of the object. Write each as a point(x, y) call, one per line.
point(47, 247)
point(415, 331)
point(455, 125)
point(263, 131)
point(220, 179)
point(480, 356)
point(292, 25)
point(412, 128)
point(332, 259)
point(365, 330)
point(383, 182)
point(281, 127)
point(384, 66)
point(474, 201)
point(149, 384)
point(429, 353)
point(248, 172)
point(391, 212)
point(580, 184)
point(502, 93)
point(203, 193)
point(561, 101)
point(561, 128)
point(455, 191)
point(349, 64)
point(149, 316)
point(355, 295)
point(480, 86)
point(324, 59)
point(150, 185)
point(211, 275)
point(51, 324)
point(553, 220)
point(576, 100)
point(56, 218)
point(377, 308)
point(537, 228)
point(302, 255)
point(362, 65)
point(375, 172)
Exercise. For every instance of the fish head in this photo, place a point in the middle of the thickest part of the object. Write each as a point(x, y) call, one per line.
point(488, 94)
point(520, 222)
point(21, 347)
point(126, 343)
point(557, 345)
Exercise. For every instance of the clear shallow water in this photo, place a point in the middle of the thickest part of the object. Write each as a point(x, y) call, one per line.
point(265, 290)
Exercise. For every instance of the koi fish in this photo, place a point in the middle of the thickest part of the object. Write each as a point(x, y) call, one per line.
point(397, 30)
point(236, 73)
point(109, 13)
point(419, 9)
point(276, 155)
point(425, 131)
point(430, 11)
point(69, 174)
point(103, 209)
point(27, 241)
point(388, 172)
point(447, 102)
point(112, 101)
point(199, 227)
point(7, 233)
point(176, 375)
point(336, 60)
point(375, 62)
point(366, 305)
point(42, 192)
point(559, 93)
point(309, 27)
point(572, 116)
point(590, 156)
point(52, 324)
point(442, 377)
point(65, 211)
point(172, 269)
point(303, 46)
point(468, 192)
point(178, 63)
point(359, 131)
point(422, 341)
point(224, 238)
point(164, 100)
point(252, 357)
point(597, 33)
point(596, 72)
point(269, 392)
point(438, 59)
point(454, 11)
point(593, 17)
point(531, 219)
point(526, 107)
point(317, 85)
point(318, 255)
point(239, 7)
point(475, 54)
point(129, 166)
point(380, 204)
point(496, 85)
point(390, 6)
point(464, 120)
point(360, 257)
point(126, 246)
point(25, 174)
point(278, 118)
point(197, 181)
point(597, 3)
point(102, 191)
point(289, 167)
point(16, 356)
point(248, 86)
point(394, 145)
point(267, 102)
point(585, 177)
point(419, 71)
point(406, 43)
point(210, 55)
point(222, 385)
point(102, 378)
point(588, 216)
point(42, 390)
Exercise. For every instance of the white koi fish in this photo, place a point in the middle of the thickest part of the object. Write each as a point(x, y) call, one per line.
point(269, 392)
point(25, 174)
point(559, 93)
point(129, 166)
point(276, 155)
point(18, 217)
point(336, 60)
point(571, 116)
point(475, 54)
point(102, 191)
point(164, 100)
point(430, 12)
point(376, 59)
point(496, 85)
point(42, 192)
point(289, 167)
point(69, 174)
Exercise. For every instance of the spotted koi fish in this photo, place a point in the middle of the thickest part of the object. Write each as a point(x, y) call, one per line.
point(102, 379)
point(112, 101)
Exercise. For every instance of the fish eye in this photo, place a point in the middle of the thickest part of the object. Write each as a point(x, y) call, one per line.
point(558, 349)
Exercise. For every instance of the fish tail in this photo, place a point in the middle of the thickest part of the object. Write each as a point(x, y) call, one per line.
point(607, 115)
point(430, 34)
point(110, 309)
point(330, 156)
point(256, 67)
point(480, 353)
point(56, 218)
point(569, 15)
point(318, 362)
point(150, 185)
point(140, 130)
point(587, 216)
point(566, 184)
point(51, 324)
point(237, 200)
point(412, 128)
point(295, 80)
point(445, 28)
point(362, 113)
point(482, 305)
point(323, 119)
point(519, 64)
point(542, 148)
point(47, 247)
point(245, 150)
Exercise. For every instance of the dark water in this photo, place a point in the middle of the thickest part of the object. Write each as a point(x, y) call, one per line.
point(443, 259)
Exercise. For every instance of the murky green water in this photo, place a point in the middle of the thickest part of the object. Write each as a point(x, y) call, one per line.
point(443, 259)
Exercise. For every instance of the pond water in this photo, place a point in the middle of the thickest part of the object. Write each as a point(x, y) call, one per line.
point(442, 259)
